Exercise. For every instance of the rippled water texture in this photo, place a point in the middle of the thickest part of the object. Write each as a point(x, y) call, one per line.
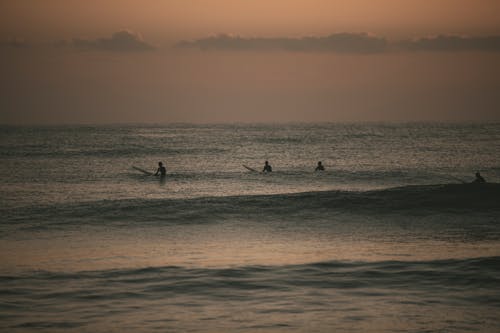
point(391, 237)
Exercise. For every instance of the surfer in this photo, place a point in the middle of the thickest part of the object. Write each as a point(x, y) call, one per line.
point(479, 178)
point(161, 170)
point(267, 167)
point(320, 167)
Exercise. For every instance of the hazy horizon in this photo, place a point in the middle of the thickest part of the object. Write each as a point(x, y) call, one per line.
point(247, 123)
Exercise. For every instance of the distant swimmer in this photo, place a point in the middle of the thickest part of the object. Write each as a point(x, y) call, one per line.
point(320, 167)
point(267, 167)
point(161, 170)
point(479, 178)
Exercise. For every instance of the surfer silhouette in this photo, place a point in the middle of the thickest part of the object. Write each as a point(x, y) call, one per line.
point(479, 178)
point(320, 167)
point(267, 167)
point(161, 170)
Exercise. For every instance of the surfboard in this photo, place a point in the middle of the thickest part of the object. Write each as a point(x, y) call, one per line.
point(143, 171)
point(249, 169)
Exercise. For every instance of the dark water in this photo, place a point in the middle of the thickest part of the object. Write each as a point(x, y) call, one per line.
point(446, 295)
point(388, 238)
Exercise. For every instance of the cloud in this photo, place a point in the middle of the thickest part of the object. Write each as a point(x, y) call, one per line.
point(341, 43)
point(452, 43)
point(360, 43)
point(14, 43)
point(121, 41)
point(345, 43)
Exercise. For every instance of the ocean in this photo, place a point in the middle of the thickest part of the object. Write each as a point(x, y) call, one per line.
point(391, 237)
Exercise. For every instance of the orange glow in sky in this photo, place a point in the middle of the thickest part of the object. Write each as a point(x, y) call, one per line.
point(117, 61)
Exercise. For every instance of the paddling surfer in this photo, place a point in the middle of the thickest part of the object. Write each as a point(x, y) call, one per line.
point(162, 171)
point(320, 167)
point(267, 167)
point(479, 178)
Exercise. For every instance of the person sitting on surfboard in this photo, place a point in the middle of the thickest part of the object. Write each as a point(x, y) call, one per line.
point(320, 167)
point(267, 167)
point(161, 170)
point(479, 178)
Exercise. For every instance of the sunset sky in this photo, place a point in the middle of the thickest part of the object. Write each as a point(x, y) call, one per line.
point(68, 61)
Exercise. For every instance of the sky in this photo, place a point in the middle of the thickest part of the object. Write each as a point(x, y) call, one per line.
point(215, 61)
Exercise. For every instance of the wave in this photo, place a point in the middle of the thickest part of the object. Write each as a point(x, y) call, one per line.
point(457, 275)
point(408, 200)
point(454, 199)
point(339, 296)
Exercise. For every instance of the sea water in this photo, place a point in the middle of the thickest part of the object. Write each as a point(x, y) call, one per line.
point(387, 239)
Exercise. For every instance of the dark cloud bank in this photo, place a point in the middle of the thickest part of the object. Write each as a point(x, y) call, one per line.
point(121, 41)
point(360, 43)
point(452, 43)
point(14, 43)
point(344, 43)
